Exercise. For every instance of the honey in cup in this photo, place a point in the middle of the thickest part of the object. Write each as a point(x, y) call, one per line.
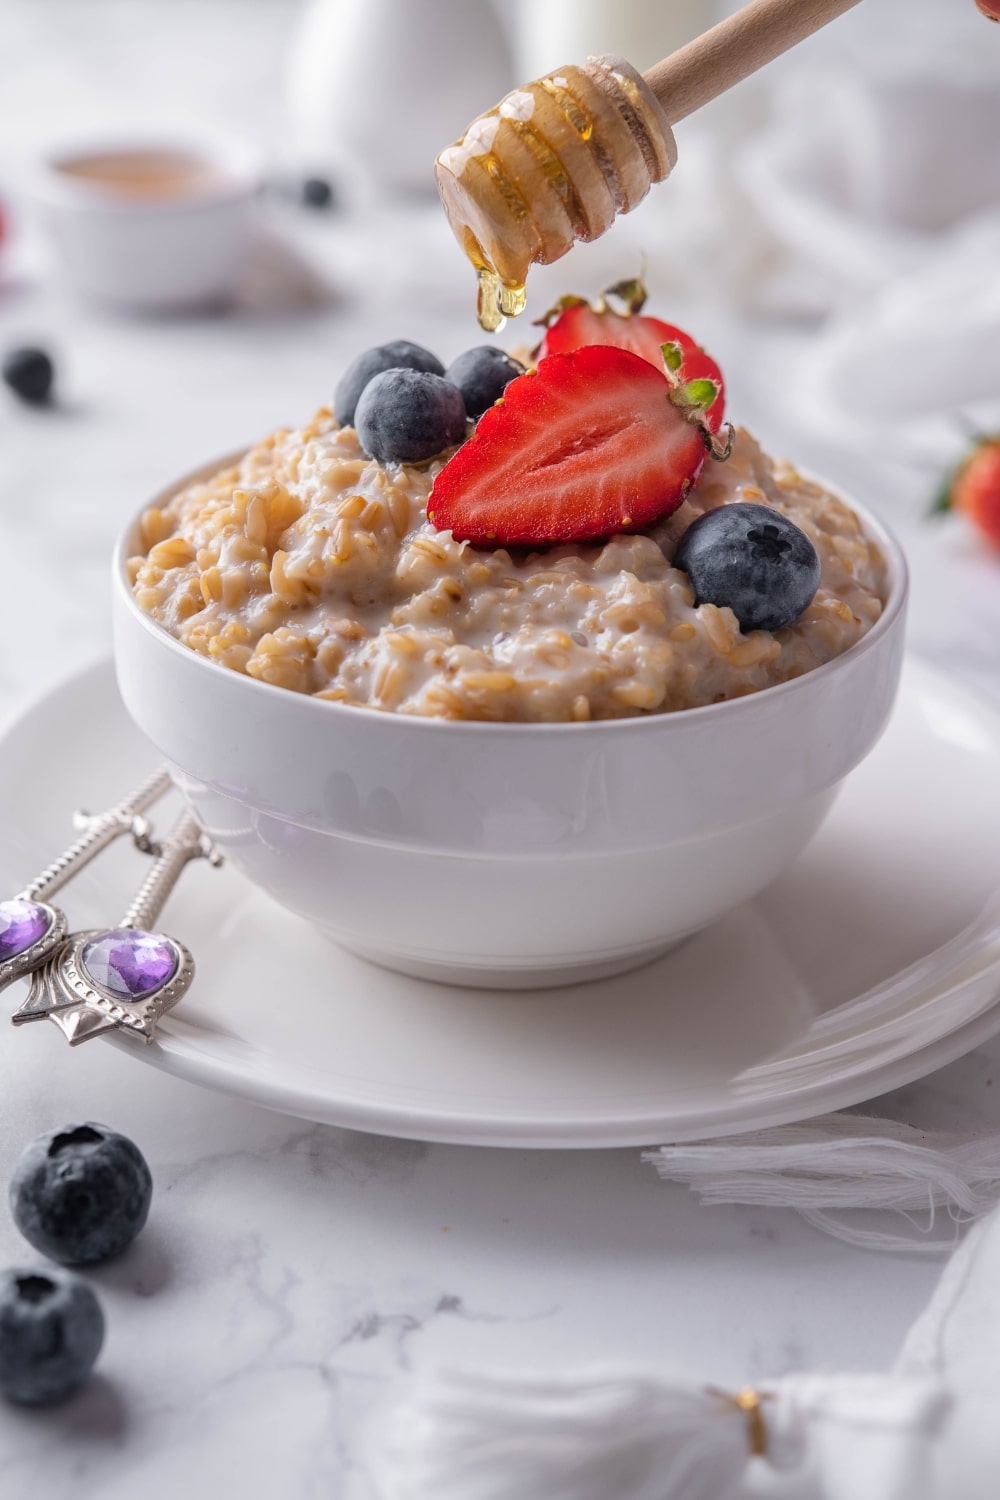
point(145, 175)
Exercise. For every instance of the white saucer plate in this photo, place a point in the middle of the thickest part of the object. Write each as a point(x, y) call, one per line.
point(755, 1022)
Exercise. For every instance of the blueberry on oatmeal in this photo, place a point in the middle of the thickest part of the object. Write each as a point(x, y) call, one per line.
point(51, 1332)
point(406, 416)
point(399, 355)
point(753, 560)
point(482, 374)
point(81, 1194)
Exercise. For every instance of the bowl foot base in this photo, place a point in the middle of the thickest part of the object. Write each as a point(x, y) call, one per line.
point(486, 976)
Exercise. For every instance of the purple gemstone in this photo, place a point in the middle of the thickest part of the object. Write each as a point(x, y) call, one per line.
point(129, 962)
point(22, 923)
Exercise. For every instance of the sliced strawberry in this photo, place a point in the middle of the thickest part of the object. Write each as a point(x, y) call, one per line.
point(576, 324)
point(589, 444)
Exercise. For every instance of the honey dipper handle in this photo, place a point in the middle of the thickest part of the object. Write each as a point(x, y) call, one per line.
point(734, 49)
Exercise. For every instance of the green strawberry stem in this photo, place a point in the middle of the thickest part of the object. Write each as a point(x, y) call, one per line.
point(692, 399)
point(632, 292)
point(720, 444)
point(942, 500)
point(557, 309)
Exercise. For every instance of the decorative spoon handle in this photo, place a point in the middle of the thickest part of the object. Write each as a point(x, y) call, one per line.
point(185, 842)
point(31, 929)
point(123, 977)
point(100, 831)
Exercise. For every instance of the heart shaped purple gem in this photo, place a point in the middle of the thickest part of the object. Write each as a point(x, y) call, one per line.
point(129, 962)
point(22, 923)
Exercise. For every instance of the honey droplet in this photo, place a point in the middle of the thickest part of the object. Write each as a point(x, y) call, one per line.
point(513, 300)
point(496, 301)
point(491, 319)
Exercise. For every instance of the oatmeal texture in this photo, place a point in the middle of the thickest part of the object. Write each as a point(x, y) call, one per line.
point(312, 567)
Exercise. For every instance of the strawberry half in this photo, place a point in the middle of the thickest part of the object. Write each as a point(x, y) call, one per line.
point(589, 444)
point(574, 324)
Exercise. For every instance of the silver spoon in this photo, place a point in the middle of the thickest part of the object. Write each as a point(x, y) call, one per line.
point(30, 928)
point(124, 977)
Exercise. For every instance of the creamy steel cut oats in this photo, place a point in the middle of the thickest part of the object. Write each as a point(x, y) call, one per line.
point(314, 568)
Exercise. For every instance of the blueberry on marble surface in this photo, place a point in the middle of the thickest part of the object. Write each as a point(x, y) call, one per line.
point(29, 373)
point(51, 1331)
point(399, 355)
point(317, 192)
point(482, 374)
point(753, 560)
point(81, 1194)
point(405, 416)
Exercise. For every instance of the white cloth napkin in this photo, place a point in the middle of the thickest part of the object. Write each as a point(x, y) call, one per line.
point(873, 196)
point(838, 1169)
point(910, 372)
point(866, 175)
point(926, 1430)
point(957, 1340)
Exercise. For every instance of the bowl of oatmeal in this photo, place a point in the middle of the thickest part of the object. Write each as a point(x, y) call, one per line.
point(494, 765)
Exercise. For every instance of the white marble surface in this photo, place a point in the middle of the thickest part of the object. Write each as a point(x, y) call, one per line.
point(289, 1272)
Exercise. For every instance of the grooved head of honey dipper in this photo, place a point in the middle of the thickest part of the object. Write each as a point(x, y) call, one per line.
point(554, 162)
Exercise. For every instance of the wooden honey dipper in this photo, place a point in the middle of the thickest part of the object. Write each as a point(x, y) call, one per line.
point(556, 160)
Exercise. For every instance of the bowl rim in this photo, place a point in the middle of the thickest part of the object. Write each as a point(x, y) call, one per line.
point(233, 175)
point(897, 572)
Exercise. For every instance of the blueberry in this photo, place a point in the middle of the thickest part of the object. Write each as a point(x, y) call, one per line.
point(51, 1331)
point(317, 192)
point(29, 373)
point(81, 1194)
point(408, 415)
point(481, 374)
point(752, 559)
point(399, 355)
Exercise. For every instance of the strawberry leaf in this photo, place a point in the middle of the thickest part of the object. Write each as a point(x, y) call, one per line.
point(673, 355)
point(695, 395)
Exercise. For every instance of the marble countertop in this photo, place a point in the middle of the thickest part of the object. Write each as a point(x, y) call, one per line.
point(291, 1273)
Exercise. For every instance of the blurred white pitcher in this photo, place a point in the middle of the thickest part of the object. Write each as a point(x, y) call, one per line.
point(378, 87)
point(551, 33)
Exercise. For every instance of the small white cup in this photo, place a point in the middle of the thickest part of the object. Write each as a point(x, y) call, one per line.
point(151, 225)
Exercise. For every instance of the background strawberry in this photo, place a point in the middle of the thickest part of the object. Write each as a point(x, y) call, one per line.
point(974, 488)
point(575, 324)
point(591, 443)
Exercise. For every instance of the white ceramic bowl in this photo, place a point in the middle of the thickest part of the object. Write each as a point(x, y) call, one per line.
point(154, 251)
point(509, 855)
